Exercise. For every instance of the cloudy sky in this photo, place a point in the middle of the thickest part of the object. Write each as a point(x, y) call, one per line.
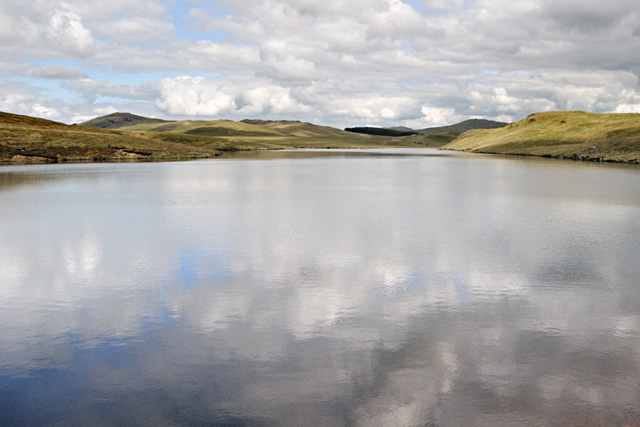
point(334, 62)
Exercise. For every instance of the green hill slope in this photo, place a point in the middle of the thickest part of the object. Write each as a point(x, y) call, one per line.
point(26, 139)
point(562, 134)
point(119, 120)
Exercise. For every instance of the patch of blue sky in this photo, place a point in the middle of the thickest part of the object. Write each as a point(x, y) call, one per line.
point(213, 8)
point(190, 34)
point(417, 5)
point(124, 78)
point(135, 79)
point(424, 9)
point(187, 29)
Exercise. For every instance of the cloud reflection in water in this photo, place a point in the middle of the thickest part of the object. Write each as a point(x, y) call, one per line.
point(356, 290)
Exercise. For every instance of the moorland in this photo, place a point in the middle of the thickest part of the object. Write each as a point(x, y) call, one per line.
point(573, 135)
point(127, 137)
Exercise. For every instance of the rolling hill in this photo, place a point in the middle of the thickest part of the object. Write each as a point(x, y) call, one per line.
point(227, 135)
point(300, 129)
point(464, 126)
point(25, 139)
point(432, 140)
point(456, 127)
point(562, 134)
point(118, 120)
point(124, 136)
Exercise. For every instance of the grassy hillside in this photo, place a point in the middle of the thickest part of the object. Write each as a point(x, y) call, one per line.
point(563, 134)
point(26, 139)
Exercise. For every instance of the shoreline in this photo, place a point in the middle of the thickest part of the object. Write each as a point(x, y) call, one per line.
point(578, 157)
point(123, 155)
point(128, 155)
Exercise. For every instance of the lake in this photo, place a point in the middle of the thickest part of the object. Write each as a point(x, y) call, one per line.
point(398, 287)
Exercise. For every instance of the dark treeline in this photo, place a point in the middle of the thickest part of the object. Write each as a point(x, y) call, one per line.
point(379, 131)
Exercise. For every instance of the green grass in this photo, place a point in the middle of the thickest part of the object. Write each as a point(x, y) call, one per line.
point(562, 134)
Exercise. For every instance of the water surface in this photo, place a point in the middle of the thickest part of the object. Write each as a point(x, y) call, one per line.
point(373, 288)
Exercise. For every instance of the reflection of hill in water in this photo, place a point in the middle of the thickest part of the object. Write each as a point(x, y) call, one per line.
point(9, 180)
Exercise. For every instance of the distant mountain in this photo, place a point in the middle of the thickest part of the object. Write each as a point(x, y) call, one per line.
point(299, 129)
point(119, 120)
point(401, 129)
point(433, 140)
point(465, 126)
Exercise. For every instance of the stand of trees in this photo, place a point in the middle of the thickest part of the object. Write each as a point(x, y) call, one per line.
point(379, 131)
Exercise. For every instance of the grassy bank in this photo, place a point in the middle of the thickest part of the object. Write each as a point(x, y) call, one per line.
point(561, 134)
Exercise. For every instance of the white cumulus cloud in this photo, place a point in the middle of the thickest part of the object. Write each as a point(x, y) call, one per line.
point(194, 96)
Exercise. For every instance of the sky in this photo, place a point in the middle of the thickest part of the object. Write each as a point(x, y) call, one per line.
point(340, 63)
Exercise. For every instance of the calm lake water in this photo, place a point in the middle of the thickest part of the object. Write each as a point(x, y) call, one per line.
point(366, 288)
